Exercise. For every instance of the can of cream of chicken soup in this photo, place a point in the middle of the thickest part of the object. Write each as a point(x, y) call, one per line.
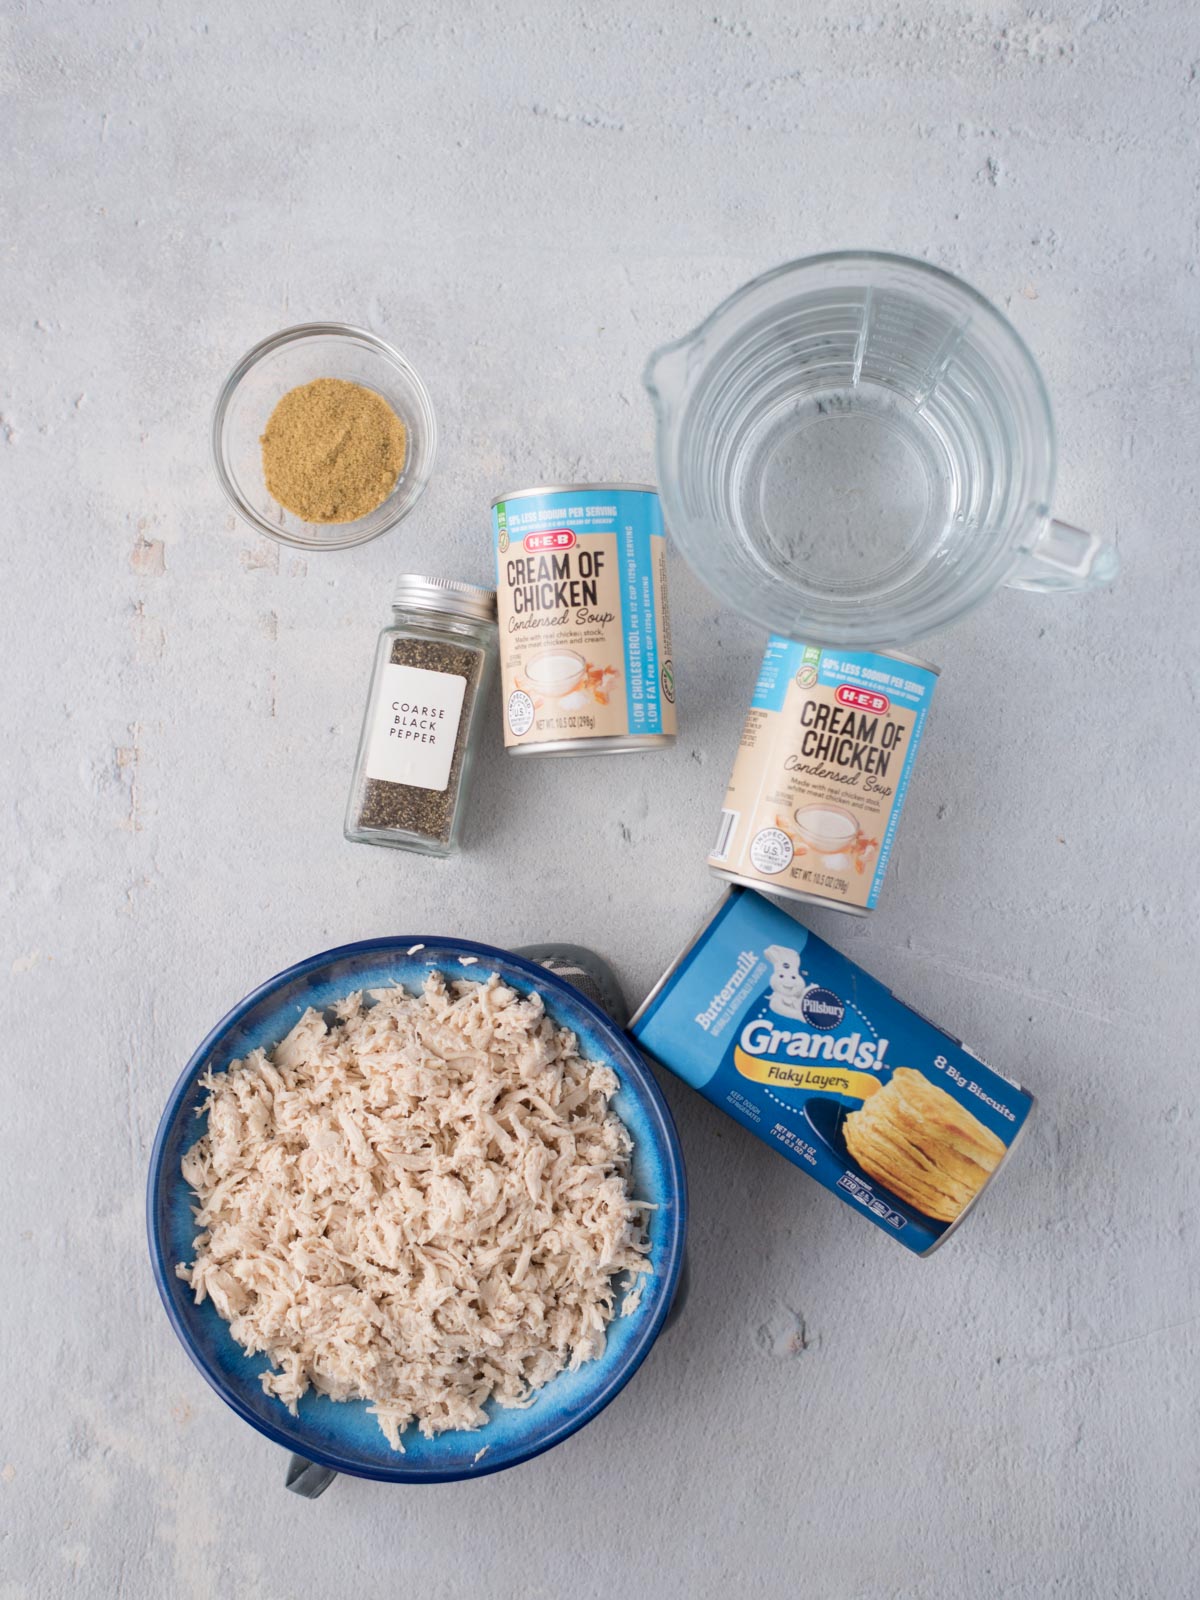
point(819, 779)
point(585, 640)
point(828, 1067)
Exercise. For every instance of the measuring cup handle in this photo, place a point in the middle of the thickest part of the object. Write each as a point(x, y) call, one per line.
point(1065, 557)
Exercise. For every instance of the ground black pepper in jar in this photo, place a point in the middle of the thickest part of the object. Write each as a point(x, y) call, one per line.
point(433, 665)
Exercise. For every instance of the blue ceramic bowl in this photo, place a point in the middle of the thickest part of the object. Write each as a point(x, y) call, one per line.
point(341, 1435)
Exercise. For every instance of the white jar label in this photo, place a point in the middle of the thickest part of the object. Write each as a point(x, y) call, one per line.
point(415, 727)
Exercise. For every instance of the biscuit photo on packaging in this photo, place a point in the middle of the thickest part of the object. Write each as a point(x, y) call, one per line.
point(921, 1144)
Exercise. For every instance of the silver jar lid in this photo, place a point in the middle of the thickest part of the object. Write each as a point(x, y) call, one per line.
point(445, 594)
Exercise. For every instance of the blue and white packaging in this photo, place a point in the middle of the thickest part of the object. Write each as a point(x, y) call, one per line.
point(824, 1064)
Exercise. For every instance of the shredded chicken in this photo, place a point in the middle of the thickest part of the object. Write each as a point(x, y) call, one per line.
point(423, 1203)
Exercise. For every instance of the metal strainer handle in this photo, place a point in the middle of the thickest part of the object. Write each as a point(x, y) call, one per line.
point(307, 1479)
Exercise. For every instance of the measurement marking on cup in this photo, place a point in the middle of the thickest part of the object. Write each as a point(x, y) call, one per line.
point(938, 367)
point(864, 333)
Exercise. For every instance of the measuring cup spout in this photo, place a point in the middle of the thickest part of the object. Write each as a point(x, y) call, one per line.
point(1065, 557)
point(665, 376)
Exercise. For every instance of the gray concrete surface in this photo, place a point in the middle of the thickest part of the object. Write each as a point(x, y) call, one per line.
point(527, 199)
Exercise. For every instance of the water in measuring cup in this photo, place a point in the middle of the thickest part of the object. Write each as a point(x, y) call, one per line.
point(847, 488)
point(873, 452)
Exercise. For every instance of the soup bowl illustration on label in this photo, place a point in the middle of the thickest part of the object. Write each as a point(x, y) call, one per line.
point(555, 673)
point(828, 829)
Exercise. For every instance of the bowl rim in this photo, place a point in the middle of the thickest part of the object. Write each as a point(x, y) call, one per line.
point(234, 379)
point(632, 1068)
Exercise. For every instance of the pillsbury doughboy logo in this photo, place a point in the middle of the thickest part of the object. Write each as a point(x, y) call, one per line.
point(788, 981)
point(794, 994)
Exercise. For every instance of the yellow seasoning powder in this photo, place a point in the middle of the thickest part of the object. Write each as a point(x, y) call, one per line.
point(332, 450)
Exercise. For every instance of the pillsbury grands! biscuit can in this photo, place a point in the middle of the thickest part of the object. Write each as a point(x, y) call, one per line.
point(824, 1064)
point(819, 779)
point(585, 641)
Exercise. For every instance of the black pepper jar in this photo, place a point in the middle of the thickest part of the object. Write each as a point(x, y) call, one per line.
point(433, 666)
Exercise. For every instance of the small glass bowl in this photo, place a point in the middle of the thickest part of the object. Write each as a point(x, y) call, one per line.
point(286, 360)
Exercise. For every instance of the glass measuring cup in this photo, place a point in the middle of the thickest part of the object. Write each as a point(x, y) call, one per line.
point(857, 449)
